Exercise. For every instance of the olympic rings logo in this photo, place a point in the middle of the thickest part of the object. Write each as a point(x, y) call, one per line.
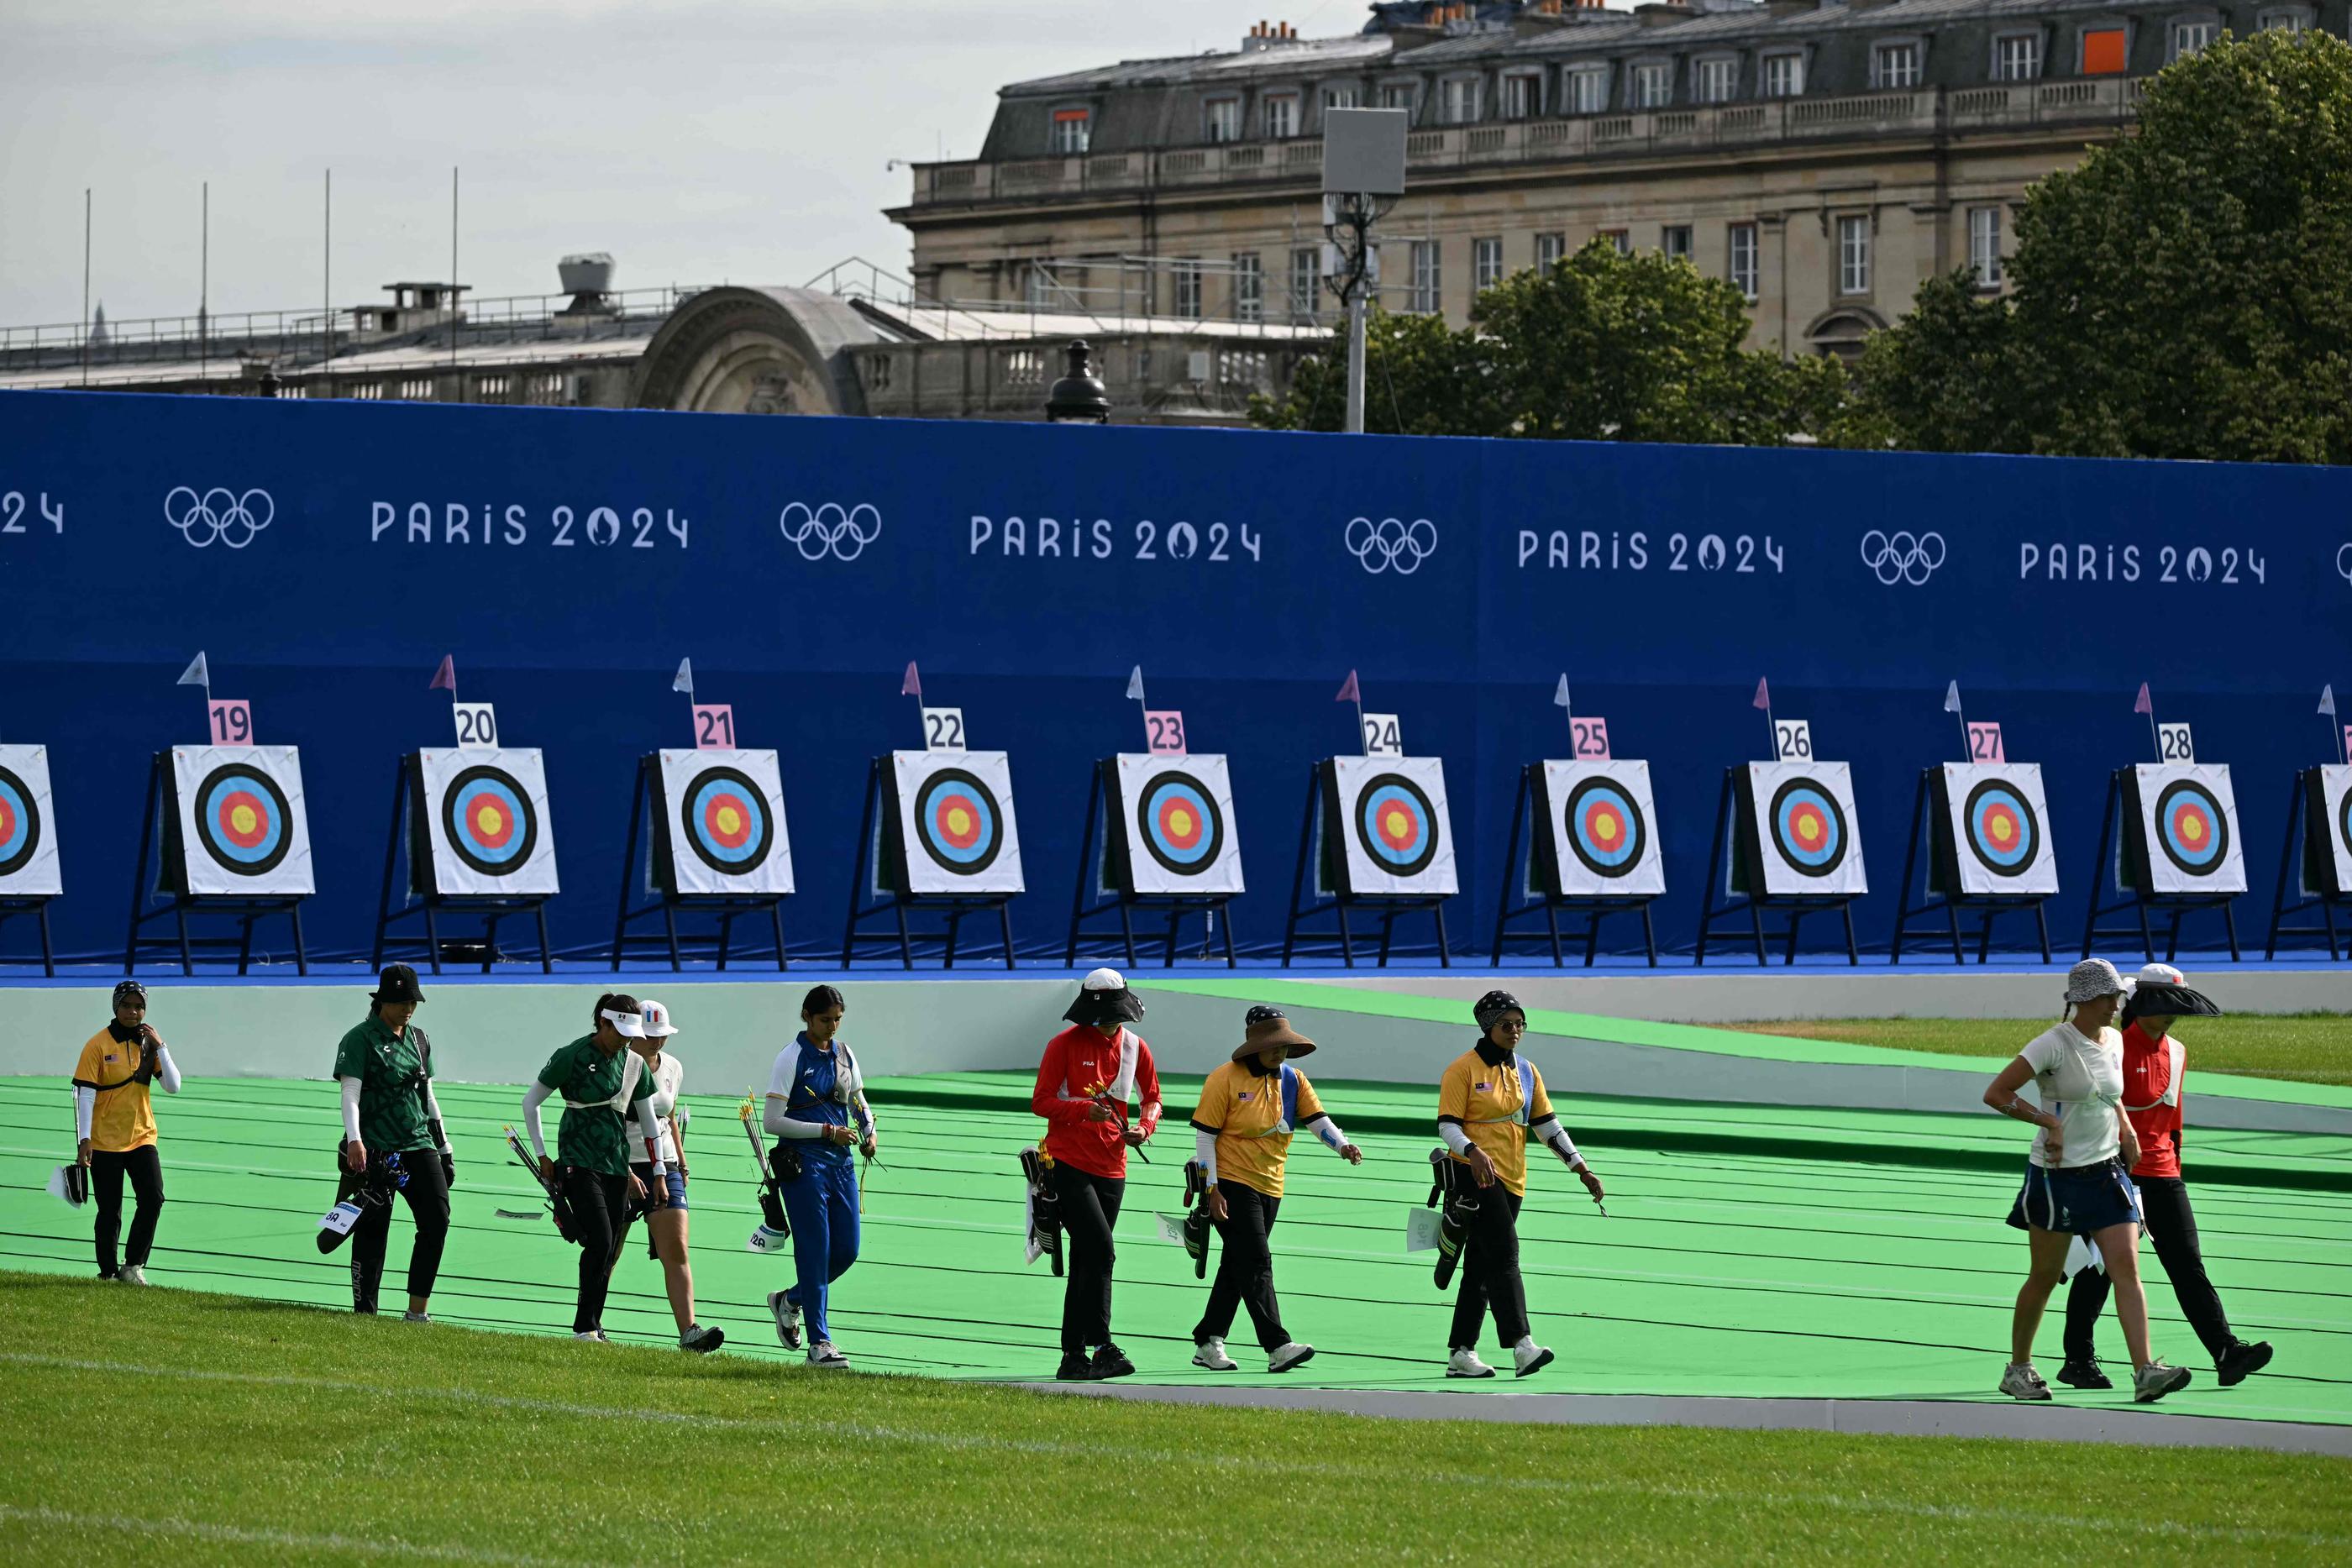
point(1902, 556)
point(830, 530)
point(1390, 545)
point(219, 514)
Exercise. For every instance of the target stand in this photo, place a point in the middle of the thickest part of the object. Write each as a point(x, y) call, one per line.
point(1944, 894)
point(2322, 886)
point(1534, 881)
point(37, 907)
point(1106, 875)
point(408, 878)
point(1321, 858)
point(881, 874)
point(669, 903)
point(163, 847)
point(2119, 837)
point(1736, 862)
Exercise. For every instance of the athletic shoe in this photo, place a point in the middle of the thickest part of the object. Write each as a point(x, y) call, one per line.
point(788, 1318)
point(2084, 1375)
point(2019, 1381)
point(1111, 1362)
point(416, 1317)
point(700, 1340)
point(1465, 1364)
point(1283, 1357)
point(1211, 1355)
point(2240, 1360)
point(2156, 1380)
point(132, 1274)
point(593, 1336)
point(1529, 1357)
point(822, 1354)
point(1075, 1368)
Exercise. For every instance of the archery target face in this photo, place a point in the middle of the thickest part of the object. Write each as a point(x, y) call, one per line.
point(1393, 832)
point(955, 810)
point(1604, 828)
point(1805, 828)
point(2000, 828)
point(29, 845)
point(723, 820)
point(2334, 807)
point(2188, 818)
point(486, 817)
point(1177, 814)
point(243, 827)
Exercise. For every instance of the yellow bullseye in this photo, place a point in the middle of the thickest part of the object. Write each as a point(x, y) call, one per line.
point(1605, 830)
point(2003, 829)
point(488, 822)
point(1809, 829)
point(1180, 822)
point(243, 819)
point(959, 821)
point(2194, 828)
point(1397, 825)
point(730, 820)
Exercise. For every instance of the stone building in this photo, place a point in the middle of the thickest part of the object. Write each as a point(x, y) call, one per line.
point(1824, 155)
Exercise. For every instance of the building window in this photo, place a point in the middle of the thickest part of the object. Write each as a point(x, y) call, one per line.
point(1715, 80)
point(1400, 95)
point(1741, 268)
point(1784, 76)
point(2102, 52)
point(417, 389)
point(1620, 238)
point(1588, 90)
point(1188, 291)
point(1249, 289)
point(1348, 97)
point(1223, 120)
point(1653, 85)
point(1853, 256)
point(1894, 66)
point(1306, 282)
point(1486, 263)
point(2188, 38)
point(490, 386)
point(2017, 56)
point(1281, 116)
point(1522, 96)
point(1073, 129)
point(1457, 100)
point(1038, 285)
point(1984, 245)
point(1425, 276)
point(1551, 249)
point(2289, 21)
point(1675, 239)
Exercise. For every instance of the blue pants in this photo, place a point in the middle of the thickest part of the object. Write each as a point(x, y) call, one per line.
point(822, 1203)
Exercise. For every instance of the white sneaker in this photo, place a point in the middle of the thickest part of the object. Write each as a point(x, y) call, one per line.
point(1283, 1357)
point(1529, 1357)
point(416, 1317)
point(1211, 1355)
point(594, 1336)
point(132, 1274)
point(1465, 1363)
point(2019, 1381)
point(788, 1318)
point(822, 1354)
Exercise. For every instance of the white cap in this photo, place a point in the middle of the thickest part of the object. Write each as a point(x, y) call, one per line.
point(1105, 980)
point(631, 1026)
point(2155, 975)
point(653, 1018)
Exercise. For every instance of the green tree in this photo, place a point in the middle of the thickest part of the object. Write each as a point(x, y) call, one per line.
point(2186, 292)
point(1598, 347)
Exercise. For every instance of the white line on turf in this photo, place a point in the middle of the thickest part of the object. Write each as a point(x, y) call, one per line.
point(871, 1432)
point(244, 1535)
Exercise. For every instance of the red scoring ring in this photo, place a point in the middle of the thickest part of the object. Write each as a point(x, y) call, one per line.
point(1409, 837)
point(226, 820)
point(741, 834)
point(1184, 839)
point(471, 817)
point(971, 834)
point(7, 821)
point(2191, 810)
point(1596, 813)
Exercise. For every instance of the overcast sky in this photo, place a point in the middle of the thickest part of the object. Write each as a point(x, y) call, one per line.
point(698, 140)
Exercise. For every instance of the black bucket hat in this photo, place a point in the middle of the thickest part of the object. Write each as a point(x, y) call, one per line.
point(397, 984)
point(1104, 1000)
point(2160, 990)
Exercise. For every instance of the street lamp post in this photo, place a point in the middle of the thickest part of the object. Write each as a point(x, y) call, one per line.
point(1079, 397)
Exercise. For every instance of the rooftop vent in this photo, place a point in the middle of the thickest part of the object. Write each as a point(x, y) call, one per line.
point(1267, 35)
point(587, 276)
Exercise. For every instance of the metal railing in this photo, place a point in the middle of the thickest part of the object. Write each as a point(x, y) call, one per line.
point(1069, 287)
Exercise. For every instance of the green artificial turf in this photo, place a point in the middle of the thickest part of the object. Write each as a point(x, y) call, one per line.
point(175, 1427)
point(2301, 1047)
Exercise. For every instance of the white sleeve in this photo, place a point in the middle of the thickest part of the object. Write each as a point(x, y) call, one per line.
point(2040, 1052)
point(1204, 1149)
point(652, 1131)
point(167, 1072)
point(780, 1095)
point(530, 1100)
point(1455, 1138)
point(1323, 1127)
point(351, 1109)
point(85, 1106)
point(433, 1113)
point(1558, 1140)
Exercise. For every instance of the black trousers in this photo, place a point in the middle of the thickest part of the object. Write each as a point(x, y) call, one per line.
point(599, 1218)
point(145, 1169)
point(1490, 1271)
point(1244, 1268)
point(2163, 1201)
point(428, 1204)
point(1089, 1210)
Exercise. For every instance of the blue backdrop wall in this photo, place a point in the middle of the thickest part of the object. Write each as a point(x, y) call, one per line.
point(570, 559)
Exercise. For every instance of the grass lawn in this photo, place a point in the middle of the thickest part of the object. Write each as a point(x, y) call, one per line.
point(170, 1427)
point(2310, 1048)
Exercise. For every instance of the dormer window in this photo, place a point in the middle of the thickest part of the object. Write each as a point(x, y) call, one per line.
point(1784, 75)
point(1653, 85)
point(1715, 80)
point(2017, 56)
point(1073, 130)
point(1457, 100)
point(1522, 95)
point(1281, 115)
point(1586, 90)
point(2189, 34)
point(1222, 119)
point(1894, 66)
point(2105, 51)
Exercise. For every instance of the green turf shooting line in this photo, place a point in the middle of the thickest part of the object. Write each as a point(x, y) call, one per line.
point(1829, 1271)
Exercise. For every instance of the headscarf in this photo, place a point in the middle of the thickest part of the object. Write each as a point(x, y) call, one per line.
point(1492, 1006)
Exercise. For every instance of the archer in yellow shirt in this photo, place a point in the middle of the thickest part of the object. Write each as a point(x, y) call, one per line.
point(114, 1128)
